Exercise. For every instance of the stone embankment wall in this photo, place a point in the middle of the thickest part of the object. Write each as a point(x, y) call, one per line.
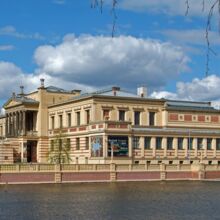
point(65, 173)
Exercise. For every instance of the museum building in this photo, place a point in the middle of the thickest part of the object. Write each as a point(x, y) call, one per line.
point(108, 125)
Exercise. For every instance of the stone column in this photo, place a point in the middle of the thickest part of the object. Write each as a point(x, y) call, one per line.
point(214, 147)
point(175, 146)
point(14, 123)
point(185, 146)
point(21, 122)
point(164, 146)
point(204, 147)
point(195, 147)
point(24, 122)
point(6, 126)
point(130, 150)
point(17, 120)
point(142, 146)
point(153, 146)
point(105, 146)
point(9, 124)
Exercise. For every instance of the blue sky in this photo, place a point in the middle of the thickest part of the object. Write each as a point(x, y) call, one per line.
point(70, 45)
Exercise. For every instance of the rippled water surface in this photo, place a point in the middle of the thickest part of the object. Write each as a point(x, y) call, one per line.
point(139, 200)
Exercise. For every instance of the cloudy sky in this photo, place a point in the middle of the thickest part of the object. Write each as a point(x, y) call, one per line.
point(70, 45)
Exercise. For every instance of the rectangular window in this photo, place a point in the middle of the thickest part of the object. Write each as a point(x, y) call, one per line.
point(199, 143)
point(87, 143)
point(69, 119)
point(217, 143)
point(78, 118)
point(147, 143)
point(209, 143)
point(136, 142)
point(77, 143)
point(180, 143)
point(87, 116)
point(121, 115)
point(158, 143)
point(60, 141)
point(190, 143)
point(169, 143)
point(106, 114)
point(151, 118)
point(61, 121)
point(137, 118)
point(68, 144)
point(52, 122)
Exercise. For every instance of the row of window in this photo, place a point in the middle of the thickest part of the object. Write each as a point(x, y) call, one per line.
point(62, 144)
point(106, 116)
point(137, 116)
point(147, 143)
point(69, 119)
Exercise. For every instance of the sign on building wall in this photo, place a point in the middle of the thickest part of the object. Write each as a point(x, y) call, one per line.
point(97, 146)
point(119, 146)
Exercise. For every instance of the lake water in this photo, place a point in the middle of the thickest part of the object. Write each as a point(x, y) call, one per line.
point(136, 200)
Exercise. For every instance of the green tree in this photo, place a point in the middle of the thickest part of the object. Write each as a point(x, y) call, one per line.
point(59, 151)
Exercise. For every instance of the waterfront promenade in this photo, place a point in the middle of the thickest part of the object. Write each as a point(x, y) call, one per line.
point(67, 173)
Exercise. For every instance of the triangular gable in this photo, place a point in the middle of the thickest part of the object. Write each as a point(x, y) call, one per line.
point(11, 103)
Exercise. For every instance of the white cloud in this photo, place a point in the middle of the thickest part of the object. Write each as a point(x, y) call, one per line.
point(6, 47)
point(164, 94)
point(11, 31)
point(100, 61)
point(12, 77)
point(171, 7)
point(206, 89)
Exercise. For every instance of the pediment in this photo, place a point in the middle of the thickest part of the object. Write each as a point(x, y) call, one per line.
point(11, 103)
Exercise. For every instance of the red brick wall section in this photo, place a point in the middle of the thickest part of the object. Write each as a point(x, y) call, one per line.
point(26, 177)
point(173, 117)
point(123, 126)
point(138, 175)
point(215, 119)
point(181, 175)
point(212, 175)
point(97, 176)
point(201, 118)
point(82, 128)
point(187, 117)
point(111, 126)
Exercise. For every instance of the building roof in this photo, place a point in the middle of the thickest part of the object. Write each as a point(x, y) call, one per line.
point(56, 89)
point(189, 105)
point(109, 92)
point(22, 99)
point(116, 92)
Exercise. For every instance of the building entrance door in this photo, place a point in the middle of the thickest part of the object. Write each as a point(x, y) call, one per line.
point(31, 151)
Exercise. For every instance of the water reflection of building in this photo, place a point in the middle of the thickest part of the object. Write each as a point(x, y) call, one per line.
point(137, 128)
